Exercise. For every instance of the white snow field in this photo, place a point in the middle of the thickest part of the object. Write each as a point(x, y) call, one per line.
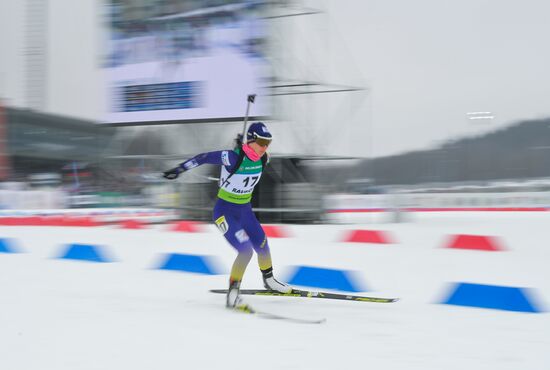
point(59, 314)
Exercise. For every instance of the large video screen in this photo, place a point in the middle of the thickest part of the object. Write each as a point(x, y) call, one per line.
point(187, 60)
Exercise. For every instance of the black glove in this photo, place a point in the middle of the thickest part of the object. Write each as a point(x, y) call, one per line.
point(173, 173)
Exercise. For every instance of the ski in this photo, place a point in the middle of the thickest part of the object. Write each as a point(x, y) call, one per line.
point(310, 294)
point(246, 308)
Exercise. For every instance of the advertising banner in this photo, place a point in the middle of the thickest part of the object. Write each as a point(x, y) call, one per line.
point(184, 61)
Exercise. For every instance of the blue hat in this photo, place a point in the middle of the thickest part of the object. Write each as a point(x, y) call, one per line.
point(258, 130)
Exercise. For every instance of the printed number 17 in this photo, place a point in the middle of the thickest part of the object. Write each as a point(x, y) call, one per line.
point(254, 180)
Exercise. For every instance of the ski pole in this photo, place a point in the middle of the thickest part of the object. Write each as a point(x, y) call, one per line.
point(250, 99)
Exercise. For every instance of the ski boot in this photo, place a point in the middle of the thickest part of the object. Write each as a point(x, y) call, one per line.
point(233, 298)
point(271, 283)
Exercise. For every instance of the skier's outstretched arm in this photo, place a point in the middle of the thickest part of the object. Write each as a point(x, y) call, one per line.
point(226, 158)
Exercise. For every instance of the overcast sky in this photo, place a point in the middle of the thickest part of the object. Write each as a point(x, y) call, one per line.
point(425, 64)
point(429, 62)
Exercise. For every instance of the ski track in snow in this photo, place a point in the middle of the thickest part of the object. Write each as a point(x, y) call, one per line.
point(70, 315)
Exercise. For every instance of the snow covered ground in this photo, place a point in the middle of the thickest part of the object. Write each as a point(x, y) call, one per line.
point(70, 315)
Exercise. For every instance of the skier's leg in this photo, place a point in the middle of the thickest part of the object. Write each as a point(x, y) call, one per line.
point(237, 272)
point(258, 239)
point(228, 222)
point(244, 256)
point(261, 246)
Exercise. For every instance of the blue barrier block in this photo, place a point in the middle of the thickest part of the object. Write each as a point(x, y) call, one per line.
point(491, 296)
point(84, 252)
point(189, 263)
point(325, 278)
point(6, 246)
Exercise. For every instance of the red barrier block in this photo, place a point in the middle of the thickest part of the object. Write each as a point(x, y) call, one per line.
point(67, 221)
point(31, 221)
point(368, 236)
point(20, 221)
point(10, 221)
point(53, 221)
point(5, 221)
point(49, 221)
point(82, 221)
point(186, 226)
point(275, 231)
point(90, 221)
point(132, 224)
point(476, 242)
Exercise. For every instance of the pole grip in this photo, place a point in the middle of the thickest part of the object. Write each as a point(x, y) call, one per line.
point(250, 100)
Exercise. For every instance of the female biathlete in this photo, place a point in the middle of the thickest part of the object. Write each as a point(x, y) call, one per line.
point(240, 173)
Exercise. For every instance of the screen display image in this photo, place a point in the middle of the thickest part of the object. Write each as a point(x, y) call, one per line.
point(183, 61)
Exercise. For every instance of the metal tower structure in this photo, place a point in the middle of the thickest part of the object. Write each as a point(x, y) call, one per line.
point(303, 89)
point(36, 54)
